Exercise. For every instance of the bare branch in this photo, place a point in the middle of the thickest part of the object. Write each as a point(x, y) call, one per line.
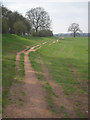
point(74, 27)
point(39, 19)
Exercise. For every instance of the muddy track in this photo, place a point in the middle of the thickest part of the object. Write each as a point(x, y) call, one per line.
point(34, 104)
point(62, 100)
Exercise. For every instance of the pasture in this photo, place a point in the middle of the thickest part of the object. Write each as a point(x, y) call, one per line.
point(11, 44)
point(66, 62)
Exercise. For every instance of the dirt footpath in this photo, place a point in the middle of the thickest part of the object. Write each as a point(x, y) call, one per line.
point(29, 96)
point(62, 99)
point(34, 104)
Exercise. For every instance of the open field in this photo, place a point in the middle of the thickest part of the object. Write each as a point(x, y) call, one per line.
point(65, 59)
point(11, 44)
point(65, 64)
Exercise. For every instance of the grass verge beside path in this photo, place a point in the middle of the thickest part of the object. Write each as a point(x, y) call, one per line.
point(22, 65)
point(11, 44)
point(36, 64)
point(57, 56)
point(67, 62)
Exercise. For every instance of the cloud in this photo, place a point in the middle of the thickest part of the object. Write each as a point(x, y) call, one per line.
point(62, 13)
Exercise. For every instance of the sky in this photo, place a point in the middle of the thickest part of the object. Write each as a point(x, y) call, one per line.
point(62, 12)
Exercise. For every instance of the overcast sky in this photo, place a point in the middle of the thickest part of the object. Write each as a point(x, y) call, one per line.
point(62, 12)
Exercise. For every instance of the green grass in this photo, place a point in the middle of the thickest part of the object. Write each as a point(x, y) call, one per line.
point(50, 102)
point(36, 47)
point(62, 110)
point(48, 87)
point(80, 115)
point(27, 49)
point(57, 56)
point(36, 64)
point(11, 44)
point(22, 64)
point(50, 93)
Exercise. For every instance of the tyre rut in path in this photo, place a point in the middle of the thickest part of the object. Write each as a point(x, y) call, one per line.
point(14, 110)
point(58, 90)
point(18, 59)
point(34, 104)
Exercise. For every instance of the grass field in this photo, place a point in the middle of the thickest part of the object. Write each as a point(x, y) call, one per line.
point(11, 44)
point(66, 60)
point(61, 58)
point(22, 64)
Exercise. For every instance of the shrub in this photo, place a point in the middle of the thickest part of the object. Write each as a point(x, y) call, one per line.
point(42, 33)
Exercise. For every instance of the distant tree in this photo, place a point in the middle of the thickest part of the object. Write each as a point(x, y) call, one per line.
point(74, 28)
point(39, 19)
point(19, 28)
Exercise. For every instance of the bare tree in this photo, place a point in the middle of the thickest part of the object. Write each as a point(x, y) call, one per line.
point(74, 27)
point(39, 19)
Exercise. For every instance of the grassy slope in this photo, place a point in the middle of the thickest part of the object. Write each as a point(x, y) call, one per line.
point(57, 57)
point(11, 44)
point(35, 62)
point(22, 64)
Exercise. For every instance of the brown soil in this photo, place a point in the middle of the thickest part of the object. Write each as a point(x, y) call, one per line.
point(33, 104)
point(77, 76)
point(62, 100)
point(82, 98)
point(18, 59)
point(28, 97)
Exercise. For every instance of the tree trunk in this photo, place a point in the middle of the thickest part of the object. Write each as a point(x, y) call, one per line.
point(74, 34)
point(36, 29)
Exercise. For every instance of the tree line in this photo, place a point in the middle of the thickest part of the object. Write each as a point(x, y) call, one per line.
point(36, 23)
